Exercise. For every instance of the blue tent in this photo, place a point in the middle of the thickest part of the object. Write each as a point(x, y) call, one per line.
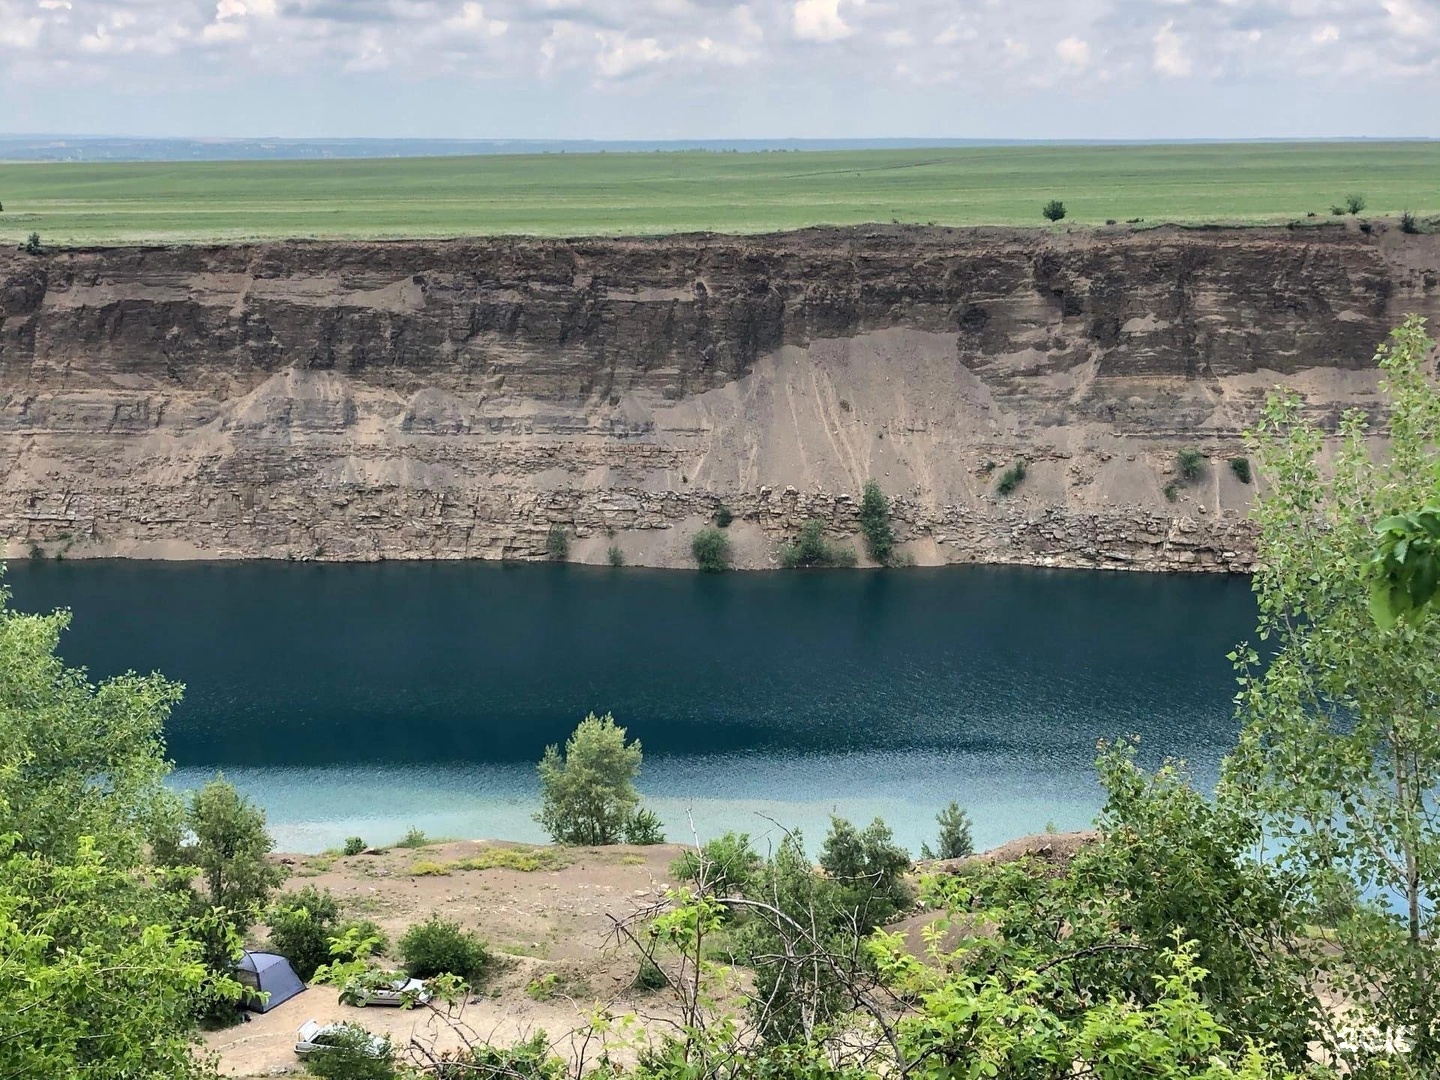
point(269, 974)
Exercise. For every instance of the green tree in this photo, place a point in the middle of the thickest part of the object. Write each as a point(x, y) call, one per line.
point(812, 549)
point(1340, 748)
point(99, 974)
point(301, 926)
point(587, 794)
point(954, 841)
point(59, 734)
point(724, 866)
point(711, 550)
point(875, 524)
point(227, 841)
point(1054, 210)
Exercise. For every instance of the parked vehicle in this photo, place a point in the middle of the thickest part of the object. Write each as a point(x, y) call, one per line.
point(395, 993)
point(317, 1038)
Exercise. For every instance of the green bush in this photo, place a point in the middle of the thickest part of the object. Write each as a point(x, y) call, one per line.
point(875, 524)
point(711, 550)
point(644, 829)
point(1354, 203)
point(1012, 477)
point(615, 555)
point(366, 930)
point(354, 845)
point(812, 549)
point(350, 1056)
point(440, 947)
point(649, 978)
point(1241, 468)
point(413, 838)
point(531, 1060)
point(1054, 210)
point(729, 864)
point(32, 244)
point(1190, 462)
point(870, 868)
point(587, 794)
point(557, 543)
point(301, 926)
point(1408, 224)
point(954, 841)
point(723, 517)
point(1172, 491)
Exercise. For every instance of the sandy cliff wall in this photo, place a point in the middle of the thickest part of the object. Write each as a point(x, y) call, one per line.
point(456, 399)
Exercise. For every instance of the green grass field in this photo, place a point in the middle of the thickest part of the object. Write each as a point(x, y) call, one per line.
point(642, 193)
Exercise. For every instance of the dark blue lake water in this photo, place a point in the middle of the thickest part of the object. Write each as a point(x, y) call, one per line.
point(363, 699)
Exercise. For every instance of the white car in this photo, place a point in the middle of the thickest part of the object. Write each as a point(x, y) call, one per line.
point(317, 1038)
point(396, 993)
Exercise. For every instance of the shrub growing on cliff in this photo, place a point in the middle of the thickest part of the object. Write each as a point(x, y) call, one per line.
point(557, 543)
point(875, 524)
point(440, 947)
point(1190, 463)
point(711, 550)
point(1354, 203)
point(644, 829)
point(354, 845)
point(32, 244)
point(723, 517)
point(1012, 478)
point(1054, 210)
point(615, 556)
point(1240, 466)
point(726, 865)
point(1408, 224)
point(587, 794)
point(812, 549)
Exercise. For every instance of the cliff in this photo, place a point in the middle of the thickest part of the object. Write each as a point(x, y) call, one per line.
point(455, 399)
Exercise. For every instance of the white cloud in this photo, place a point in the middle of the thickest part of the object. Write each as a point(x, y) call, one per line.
point(1326, 33)
point(472, 20)
point(1408, 17)
point(819, 20)
point(1169, 57)
point(1074, 51)
point(621, 56)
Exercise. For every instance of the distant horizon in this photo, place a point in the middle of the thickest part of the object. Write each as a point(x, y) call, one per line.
point(61, 147)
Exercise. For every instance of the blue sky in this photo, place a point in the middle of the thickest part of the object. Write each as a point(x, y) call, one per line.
point(656, 69)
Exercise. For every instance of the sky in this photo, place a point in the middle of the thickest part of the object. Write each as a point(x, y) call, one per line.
point(720, 69)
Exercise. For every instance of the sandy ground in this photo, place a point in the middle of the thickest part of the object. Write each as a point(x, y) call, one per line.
point(538, 922)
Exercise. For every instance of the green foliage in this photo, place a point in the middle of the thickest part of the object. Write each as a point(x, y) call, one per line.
point(32, 244)
point(615, 556)
point(1190, 463)
point(557, 543)
point(227, 841)
point(530, 1060)
point(1354, 203)
point(1054, 210)
point(1172, 491)
point(414, 838)
point(812, 549)
point(724, 866)
point(350, 1054)
point(94, 979)
point(723, 517)
point(1405, 567)
point(588, 794)
point(438, 946)
point(301, 926)
point(643, 828)
point(354, 845)
point(875, 524)
point(1339, 749)
point(1012, 478)
point(711, 550)
point(650, 978)
point(1240, 466)
point(1408, 223)
point(100, 973)
point(954, 841)
point(870, 869)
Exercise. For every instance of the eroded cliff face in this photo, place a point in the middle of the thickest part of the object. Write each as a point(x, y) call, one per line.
point(457, 399)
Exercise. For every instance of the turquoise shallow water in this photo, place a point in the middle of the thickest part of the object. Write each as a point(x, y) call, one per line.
point(366, 699)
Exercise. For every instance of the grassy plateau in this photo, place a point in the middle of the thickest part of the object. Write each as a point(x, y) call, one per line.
point(646, 193)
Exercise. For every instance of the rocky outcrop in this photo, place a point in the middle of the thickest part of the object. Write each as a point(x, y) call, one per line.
point(457, 399)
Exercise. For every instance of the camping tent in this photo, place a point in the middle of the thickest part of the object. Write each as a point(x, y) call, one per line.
point(269, 974)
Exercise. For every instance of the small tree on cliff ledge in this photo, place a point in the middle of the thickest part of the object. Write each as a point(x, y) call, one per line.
point(588, 794)
point(1341, 748)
